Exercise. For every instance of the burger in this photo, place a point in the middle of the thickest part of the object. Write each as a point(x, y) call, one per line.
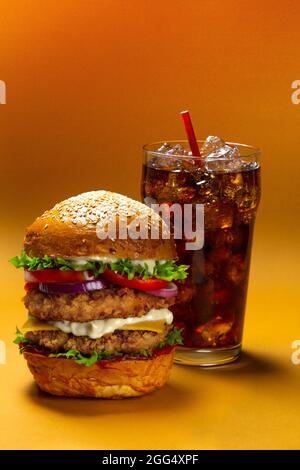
point(99, 323)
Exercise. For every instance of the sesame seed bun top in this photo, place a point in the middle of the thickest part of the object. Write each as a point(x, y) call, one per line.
point(70, 228)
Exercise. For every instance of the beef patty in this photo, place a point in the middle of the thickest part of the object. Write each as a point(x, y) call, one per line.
point(113, 302)
point(125, 341)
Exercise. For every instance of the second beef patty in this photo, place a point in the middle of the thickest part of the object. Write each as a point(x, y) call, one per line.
point(120, 341)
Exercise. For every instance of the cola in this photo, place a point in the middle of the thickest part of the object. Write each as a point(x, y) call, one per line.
point(211, 303)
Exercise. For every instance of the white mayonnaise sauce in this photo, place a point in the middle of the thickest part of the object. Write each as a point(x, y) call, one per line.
point(97, 328)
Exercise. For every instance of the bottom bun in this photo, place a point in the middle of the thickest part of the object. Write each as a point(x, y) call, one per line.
point(108, 379)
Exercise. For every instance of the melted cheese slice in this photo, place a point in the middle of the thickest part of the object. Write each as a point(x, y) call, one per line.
point(37, 325)
point(154, 320)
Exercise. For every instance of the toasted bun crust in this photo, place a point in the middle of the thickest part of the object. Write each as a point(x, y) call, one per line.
point(115, 379)
point(69, 229)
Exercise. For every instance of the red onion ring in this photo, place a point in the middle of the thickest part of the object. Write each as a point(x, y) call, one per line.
point(74, 288)
point(169, 291)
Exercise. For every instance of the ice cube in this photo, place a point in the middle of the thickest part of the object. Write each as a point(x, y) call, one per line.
point(233, 185)
point(176, 149)
point(224, 159)
point(216, 164)
point(207, 184)
point(224, 152)
point(220, 156)
point(162, 162)
point(164, 148)
point(235, 153)
point(177, 189)
point(211, 144)
point(249, 199)
point(214, 332)
point(236, 270)
point(235, 164)
point(218, 216)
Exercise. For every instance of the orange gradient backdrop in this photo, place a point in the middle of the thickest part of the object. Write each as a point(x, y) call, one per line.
point(89, 82)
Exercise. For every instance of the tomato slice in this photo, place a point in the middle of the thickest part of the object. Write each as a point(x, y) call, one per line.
point(55, 275)
point(136, 283)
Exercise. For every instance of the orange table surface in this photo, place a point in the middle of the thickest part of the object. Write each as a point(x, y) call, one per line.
point(252, 404)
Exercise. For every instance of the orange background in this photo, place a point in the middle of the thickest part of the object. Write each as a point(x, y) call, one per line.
point(88, 82)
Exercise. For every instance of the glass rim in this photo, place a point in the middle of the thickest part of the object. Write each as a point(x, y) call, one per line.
point(253, 151)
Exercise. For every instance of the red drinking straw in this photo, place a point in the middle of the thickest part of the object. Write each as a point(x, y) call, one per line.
point(190, 133)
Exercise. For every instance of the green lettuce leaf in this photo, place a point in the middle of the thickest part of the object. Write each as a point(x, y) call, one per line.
point(167, 270)
point(33, 264)
point(173, 338)
point(170, 271)
point(85, 360)
point(20, 338)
